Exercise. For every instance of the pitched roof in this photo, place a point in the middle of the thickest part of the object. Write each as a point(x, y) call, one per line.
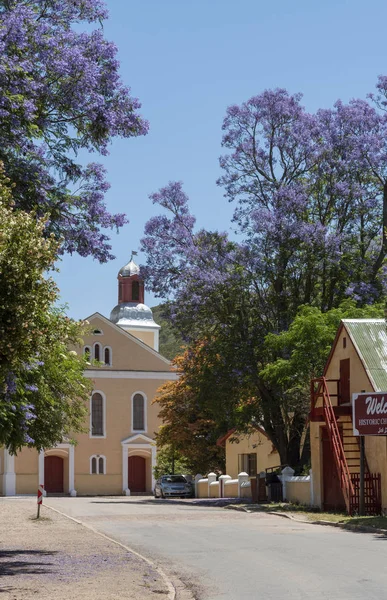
point(369, 337)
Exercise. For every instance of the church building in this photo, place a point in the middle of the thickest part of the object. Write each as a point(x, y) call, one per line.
point(117, 454)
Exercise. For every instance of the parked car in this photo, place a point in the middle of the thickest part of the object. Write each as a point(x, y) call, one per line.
point(173, 486)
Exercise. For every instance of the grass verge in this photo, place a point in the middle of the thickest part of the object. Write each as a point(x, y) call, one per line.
point(307, 513)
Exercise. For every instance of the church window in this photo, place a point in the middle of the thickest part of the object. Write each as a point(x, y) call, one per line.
point(87, 352)
point(97, 332)
point(97, 465)
point(138, 412)
point(107, 356)
point(135, 291)
point(97, 415)
point(97, 352)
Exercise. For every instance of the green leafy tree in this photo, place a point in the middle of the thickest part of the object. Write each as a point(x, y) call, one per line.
point(170, 462)
point(42, 388)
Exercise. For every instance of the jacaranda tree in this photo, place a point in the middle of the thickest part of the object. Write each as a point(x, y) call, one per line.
point(311, 212)
point(61, 93)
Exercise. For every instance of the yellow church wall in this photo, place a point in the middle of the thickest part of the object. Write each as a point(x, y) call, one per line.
point(26, 469)
point(248, 444)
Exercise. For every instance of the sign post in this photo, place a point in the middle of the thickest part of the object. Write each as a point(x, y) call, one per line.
point(40, 499)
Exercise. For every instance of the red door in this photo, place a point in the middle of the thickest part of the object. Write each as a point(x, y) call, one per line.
point(53, 474)
point(333, 498)
point(136, 473)
point(344, 382)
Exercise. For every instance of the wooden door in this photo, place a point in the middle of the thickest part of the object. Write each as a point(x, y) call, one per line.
point(53, 474)
point(344, 382)
point(333, 498)
point(136, 473)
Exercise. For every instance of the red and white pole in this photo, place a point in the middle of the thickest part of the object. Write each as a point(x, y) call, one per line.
point(40, 499)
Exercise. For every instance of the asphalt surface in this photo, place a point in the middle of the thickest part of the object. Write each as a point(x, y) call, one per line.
point(229, 555)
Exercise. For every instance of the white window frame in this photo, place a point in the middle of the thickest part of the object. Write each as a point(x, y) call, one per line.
point(97, 457)
point(145, 413)
point(96, 437)
point(111, 356)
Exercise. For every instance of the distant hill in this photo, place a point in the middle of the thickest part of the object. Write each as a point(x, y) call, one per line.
point(170, 340)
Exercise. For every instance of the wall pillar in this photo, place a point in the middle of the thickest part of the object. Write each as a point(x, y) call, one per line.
point(222, 481)
point(125, 489)
point(210, 478)
point(311, 488)
point(153, 464)
point(197, 478)
point(41, 471)
point(72, 491)
point(9, 476)
point(242, 478)
point(286, 475)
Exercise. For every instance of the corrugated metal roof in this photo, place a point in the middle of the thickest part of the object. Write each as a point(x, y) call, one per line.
point(370, 339)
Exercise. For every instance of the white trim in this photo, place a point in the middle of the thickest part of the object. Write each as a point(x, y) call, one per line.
point(9, 475)
point(143, 345)
point(96, 437)
point(145, 413)
point(138, 436)
point(156, 340)
point(161, 375)
point(97, 457)
point(125, 479)
point(153, 464)
point(111, 356)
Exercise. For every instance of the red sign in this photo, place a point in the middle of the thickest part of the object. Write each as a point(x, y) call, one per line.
point(40, 494)
point(369, 413)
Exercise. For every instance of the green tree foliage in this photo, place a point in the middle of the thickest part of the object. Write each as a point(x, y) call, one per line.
point(42, 387)
point(170, 462)
point(170, 340)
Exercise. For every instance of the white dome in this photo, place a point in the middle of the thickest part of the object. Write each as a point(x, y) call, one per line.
point(130, 269)
point(132, 314)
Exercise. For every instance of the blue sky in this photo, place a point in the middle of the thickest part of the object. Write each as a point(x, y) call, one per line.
point(186, 62)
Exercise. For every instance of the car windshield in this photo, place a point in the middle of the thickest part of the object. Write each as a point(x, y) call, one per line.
point(174, 479)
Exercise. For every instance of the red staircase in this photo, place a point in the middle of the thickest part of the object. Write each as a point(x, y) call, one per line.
point(346, 451)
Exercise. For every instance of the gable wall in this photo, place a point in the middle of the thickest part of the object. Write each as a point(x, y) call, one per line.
point(127, 353)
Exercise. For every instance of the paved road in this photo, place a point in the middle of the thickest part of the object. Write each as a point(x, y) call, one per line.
point(228, 555)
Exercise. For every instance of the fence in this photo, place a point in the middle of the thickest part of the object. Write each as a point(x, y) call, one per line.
point(294, 489)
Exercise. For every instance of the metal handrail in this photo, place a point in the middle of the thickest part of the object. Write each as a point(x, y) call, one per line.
point(334, 437)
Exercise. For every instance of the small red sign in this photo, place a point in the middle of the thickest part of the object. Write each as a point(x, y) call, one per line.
point(40, 494)
point(369, 413)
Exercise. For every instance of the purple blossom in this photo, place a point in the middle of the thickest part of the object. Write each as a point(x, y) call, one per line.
point(64, 95)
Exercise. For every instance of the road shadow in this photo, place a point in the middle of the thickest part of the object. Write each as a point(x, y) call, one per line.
point(165, 501)
point(25, 562)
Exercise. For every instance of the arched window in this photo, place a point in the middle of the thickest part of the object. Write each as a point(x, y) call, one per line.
point(87, 352)
point(107, 356)
point(97, 415)
point(97, 332)
point(97, 352)
point(138, 412)
point(97, 465)
point(135, 291)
